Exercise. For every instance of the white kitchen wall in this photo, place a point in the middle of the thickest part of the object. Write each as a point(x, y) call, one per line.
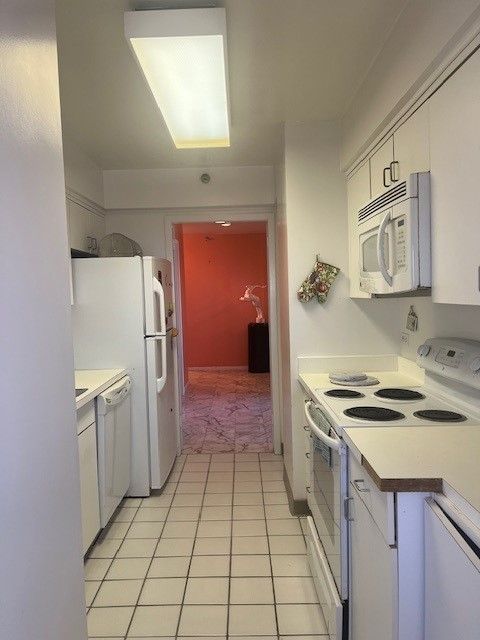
point(147, 227)
point(315, 221)
point(138, 201)
point(177, 188)
point(41, 583)
point(436, 320)
point(82, 174)
point(423, 31)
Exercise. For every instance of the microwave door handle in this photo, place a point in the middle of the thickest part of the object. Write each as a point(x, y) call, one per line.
point(381, 251)
point(330, 442)
point(158, 290)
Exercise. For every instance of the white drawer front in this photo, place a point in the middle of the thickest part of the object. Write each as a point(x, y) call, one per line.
point(380, 504)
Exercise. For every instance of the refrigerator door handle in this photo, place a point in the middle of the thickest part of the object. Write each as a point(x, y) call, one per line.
point(152, 361)
point(163, 378)
point(158, 291)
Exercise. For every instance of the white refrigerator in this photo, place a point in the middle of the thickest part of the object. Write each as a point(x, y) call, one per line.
point(123, 318)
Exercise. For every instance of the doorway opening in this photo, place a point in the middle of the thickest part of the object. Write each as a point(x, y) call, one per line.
point(224, 376)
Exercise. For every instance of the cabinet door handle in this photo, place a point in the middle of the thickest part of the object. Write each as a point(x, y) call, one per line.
point(385, 169)
point(394, 165)
point(359, 486)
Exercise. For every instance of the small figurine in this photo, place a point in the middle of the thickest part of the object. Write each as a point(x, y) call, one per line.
point(248, 296)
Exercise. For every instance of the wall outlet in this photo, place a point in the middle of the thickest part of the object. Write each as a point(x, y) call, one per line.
point(404, 337)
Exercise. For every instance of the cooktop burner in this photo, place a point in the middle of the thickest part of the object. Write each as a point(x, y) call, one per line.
point(344, 393)
point(377, 414)
point(399, 394)
point(438, 415)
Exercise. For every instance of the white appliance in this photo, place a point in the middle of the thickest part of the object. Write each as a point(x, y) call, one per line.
point(393, 233)
point(448, 396)
point(114, 436)
point(452, 573)
point(123, 318)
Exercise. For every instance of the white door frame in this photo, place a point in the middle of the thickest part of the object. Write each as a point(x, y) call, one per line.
point(177, 283)
point(241, 214)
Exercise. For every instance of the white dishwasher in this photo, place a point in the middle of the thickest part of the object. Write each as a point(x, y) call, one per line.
point(114, 434)
point(452, 573)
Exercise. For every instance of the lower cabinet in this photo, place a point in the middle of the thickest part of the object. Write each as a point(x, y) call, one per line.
point(386, 557)
point(87, 449)
point(373, 577)
point(452, 577)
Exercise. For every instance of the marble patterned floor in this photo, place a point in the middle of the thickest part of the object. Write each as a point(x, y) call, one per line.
point(227, 411)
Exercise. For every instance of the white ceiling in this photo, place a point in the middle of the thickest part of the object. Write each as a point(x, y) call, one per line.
point(298, 60)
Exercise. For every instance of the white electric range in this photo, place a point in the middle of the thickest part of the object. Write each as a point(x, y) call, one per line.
point(350, 406)
point(448, 395)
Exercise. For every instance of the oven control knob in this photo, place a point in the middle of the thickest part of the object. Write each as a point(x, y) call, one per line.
point(475, 365)
point(423, 350)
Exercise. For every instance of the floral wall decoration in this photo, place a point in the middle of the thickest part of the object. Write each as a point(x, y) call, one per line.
point(318, 282)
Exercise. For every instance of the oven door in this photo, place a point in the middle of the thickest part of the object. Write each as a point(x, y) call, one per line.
point(389, 250)
point(327, 539)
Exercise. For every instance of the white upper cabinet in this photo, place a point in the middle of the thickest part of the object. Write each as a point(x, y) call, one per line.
point(358, 192)
point(405, 152)
point(380, 168)
point(411, 151)
point(455, 162)
point(85, 228)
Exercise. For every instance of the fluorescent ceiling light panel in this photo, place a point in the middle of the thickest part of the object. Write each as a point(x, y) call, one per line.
point(182, 54)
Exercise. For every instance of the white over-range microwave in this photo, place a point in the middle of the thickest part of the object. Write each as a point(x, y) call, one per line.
point(393, 232)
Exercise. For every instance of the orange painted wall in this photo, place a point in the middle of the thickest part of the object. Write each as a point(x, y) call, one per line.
point(215, 274)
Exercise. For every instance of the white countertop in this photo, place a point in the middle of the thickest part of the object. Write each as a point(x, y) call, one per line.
point(95, 381)
point(390, 370)
point(410, 457)
point(405, 458)
point(312, 381)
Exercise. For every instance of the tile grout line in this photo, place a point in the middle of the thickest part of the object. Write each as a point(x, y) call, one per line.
point(201, 507)
point(229, 588)
point(154, 551)
point(104, 579)
point(269, 553)
point(177, 631)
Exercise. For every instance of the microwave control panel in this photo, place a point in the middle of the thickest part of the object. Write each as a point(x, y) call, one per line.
point(400, 243)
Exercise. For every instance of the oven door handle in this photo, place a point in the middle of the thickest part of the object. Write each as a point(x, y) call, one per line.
point(381, 249)
point(333, 443)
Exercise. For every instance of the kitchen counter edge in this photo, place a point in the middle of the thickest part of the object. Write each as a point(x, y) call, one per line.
point(96, 381)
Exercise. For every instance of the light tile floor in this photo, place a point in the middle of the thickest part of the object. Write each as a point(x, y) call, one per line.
point(227, 411)
point(210, 557)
